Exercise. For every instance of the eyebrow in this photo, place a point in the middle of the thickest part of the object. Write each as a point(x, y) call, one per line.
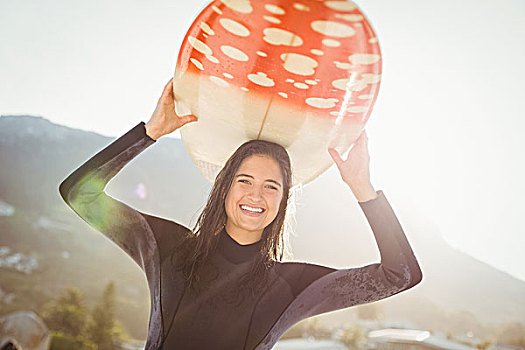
point(268, 180)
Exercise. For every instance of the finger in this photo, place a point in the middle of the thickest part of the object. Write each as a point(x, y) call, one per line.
point(362, 141)
point(188, 119)
point(362, 136)
point(170, 82)
point(335, 156)
point(365, 136)
point(168, 90)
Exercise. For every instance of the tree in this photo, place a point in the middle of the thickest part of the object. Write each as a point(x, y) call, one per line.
point(310, 327)
point(512, 334)
point(101, 329)
point(68, 313)
point(61, 341)
point(369, 312)
point(354, 338)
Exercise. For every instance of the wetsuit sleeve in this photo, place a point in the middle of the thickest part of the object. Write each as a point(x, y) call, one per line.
point(138, 234)
point(326, 289)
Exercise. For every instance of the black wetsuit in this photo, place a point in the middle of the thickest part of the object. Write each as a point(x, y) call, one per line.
point(217, 318)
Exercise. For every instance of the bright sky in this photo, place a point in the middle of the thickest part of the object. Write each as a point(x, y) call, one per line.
point(444, 134)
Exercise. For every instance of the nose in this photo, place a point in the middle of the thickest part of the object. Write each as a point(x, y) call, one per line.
point(255, 193)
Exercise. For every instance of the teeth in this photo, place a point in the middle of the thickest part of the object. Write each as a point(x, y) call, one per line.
point(255, 210)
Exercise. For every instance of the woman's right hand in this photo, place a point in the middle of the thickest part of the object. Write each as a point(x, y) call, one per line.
point(164, 119)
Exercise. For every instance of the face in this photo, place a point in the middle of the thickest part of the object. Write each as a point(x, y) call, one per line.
point(254, 197)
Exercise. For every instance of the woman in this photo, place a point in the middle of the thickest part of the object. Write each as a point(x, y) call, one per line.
point(222, 285)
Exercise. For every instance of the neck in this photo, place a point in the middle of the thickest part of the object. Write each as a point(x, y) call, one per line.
point(243, 237)
point(235, 252)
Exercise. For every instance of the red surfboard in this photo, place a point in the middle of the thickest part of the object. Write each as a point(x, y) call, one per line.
point(304, 74)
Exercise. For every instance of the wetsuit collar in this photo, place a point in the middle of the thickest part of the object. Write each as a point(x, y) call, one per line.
point(235, 252)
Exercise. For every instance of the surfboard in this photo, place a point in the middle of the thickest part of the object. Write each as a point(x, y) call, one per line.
point(304, 74)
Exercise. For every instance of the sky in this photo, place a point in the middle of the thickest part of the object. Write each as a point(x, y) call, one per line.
point(445, 132)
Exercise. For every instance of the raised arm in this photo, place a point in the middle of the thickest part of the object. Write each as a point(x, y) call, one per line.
point(391, 242)
point(398, 269)
point(83, 190)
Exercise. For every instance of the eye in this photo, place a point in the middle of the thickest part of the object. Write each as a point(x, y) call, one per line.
point(271, 187)
point(244, 181)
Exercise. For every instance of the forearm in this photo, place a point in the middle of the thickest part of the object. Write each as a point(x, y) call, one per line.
point(363, 191)
point(93, 175)
point(152, 131)
point(395, 250)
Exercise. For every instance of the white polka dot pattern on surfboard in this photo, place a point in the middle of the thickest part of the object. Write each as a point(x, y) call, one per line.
point(287, 71)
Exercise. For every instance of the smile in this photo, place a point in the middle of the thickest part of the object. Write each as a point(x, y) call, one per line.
point(248, 209)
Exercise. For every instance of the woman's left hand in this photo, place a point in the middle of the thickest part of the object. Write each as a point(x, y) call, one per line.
point(355, 170)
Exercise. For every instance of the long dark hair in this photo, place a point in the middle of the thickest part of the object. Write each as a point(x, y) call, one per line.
point(212, 220)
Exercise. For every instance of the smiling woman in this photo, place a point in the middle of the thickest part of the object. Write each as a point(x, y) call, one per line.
point(253, 199)
point(223, 285)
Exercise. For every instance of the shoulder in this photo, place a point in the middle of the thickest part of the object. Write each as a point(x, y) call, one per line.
point(158, 223)
point(168, 233)
point(300, 275)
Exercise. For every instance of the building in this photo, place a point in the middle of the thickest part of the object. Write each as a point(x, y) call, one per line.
point(309, 344)
point(411, 339)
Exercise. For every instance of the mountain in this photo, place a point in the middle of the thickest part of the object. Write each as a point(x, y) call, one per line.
point(38, 155)
point(458, 292)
